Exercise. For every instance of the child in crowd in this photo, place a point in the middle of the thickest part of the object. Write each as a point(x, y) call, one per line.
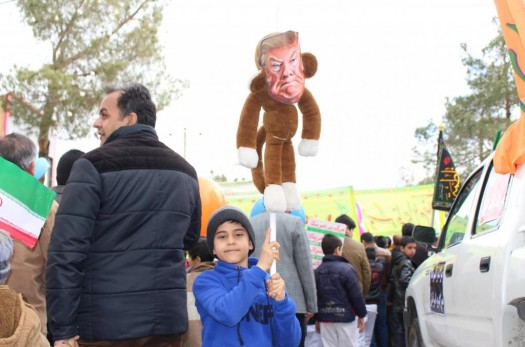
point(200, 259)
point(238, 302)
point(402, 270)
point(377, 267)
point(19, 322)
point(339, 297)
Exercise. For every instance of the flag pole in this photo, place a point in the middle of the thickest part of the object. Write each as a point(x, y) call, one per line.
point(273, 237)
point(441, 128)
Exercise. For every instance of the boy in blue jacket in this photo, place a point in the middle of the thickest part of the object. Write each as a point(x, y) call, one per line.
point(239, 303)
point(339, 297)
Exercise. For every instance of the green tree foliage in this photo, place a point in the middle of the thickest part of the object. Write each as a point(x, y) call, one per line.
point(93, 44)
point(472, 121)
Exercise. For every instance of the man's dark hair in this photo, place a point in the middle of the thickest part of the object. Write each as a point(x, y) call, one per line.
point(370, 253)
point(407, 229)
point(367, 237)
point(66, 163)
point(330, 243)
point(388, 241)
point(405, 240)
point(18, 149)
point(201, 250)
point(381, 241)
point(344, 219)
point(135, 98)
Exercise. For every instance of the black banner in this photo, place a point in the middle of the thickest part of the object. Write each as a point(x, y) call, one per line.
point(447, 184)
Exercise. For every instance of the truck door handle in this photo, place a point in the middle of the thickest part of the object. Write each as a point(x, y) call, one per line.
point(448, 270)
point(484, 264)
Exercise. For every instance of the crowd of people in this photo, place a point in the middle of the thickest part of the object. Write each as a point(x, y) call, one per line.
point(119, 260)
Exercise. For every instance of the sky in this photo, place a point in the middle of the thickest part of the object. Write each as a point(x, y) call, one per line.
point(385, 68)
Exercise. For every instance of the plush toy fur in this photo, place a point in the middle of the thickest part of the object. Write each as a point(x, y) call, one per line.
point(276, 173)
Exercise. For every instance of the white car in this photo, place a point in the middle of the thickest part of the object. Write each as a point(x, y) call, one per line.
point(471, 292)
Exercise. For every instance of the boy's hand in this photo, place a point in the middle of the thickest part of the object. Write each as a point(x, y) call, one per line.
point(275, 287)
point(71, 342)
point(308, 316)
point(361, 324)
point(269, 252)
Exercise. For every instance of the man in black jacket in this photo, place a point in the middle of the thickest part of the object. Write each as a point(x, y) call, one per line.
point(131, 207)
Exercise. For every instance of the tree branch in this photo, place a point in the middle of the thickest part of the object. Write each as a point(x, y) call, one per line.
point(106, 37)
point(26, 103)
point(66, 32)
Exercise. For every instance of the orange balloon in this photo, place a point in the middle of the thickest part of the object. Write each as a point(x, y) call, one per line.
point(212, 198)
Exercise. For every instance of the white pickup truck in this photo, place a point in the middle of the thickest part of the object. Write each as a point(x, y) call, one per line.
point(471, 292)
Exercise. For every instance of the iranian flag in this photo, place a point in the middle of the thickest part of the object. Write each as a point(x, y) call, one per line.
point(24, 203)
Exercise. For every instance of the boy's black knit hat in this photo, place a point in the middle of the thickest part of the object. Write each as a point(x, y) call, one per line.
point(224, 214)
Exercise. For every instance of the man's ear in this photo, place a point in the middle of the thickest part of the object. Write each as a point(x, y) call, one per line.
point(31, 168)
point(132, 118)
point(251, 246)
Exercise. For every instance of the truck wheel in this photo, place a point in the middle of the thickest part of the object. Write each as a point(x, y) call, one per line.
point(414, 335)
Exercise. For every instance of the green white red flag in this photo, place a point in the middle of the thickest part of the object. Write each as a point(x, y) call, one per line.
point(24, 203)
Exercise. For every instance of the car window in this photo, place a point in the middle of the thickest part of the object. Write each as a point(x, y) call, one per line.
point(460, 214)
point(492, 202)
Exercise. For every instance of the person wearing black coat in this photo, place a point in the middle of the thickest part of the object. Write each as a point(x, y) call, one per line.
point(339, 297)
point(116, 266)
point(400, 275)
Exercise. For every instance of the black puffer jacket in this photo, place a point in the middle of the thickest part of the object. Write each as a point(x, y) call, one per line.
point(116, 258)
point(339, 297)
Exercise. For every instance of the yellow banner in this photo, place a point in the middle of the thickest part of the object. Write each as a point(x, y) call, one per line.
point(322, 204)
point(384, 211)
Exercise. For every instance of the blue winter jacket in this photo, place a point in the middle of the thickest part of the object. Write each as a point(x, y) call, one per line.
point(235, 310)
point(339, 296)
point(116, 258)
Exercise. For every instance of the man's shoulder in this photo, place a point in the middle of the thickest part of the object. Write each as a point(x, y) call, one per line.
point(383, 252)
point(52, 212)
point(354, 250)
point(47, 228)
point(260, 218)
point(54, 208)
point(96, 154)
point(127, 153)
point(286, 223)
point(353, 243)
point(407, 263)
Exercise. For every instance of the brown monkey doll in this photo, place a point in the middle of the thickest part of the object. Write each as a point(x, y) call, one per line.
point(276, 90)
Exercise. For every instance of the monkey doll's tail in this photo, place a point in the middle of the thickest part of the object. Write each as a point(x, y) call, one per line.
point(258, 171)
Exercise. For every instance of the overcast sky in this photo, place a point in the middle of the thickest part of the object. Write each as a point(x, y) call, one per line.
point(385, 68)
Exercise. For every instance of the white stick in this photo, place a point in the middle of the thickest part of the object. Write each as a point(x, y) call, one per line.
point(273, 237)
